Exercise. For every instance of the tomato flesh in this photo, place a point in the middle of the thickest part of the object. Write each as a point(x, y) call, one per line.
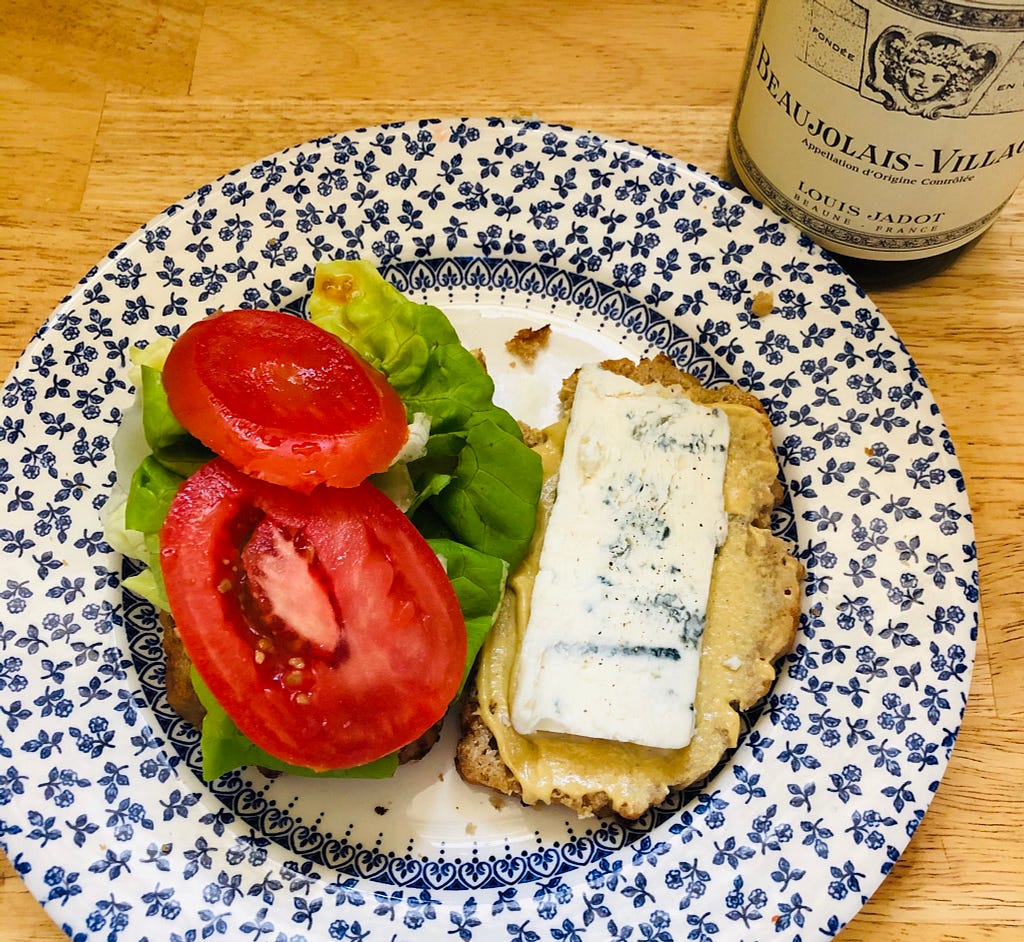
point(283, 400)
point(286, 590)
point(323, 623)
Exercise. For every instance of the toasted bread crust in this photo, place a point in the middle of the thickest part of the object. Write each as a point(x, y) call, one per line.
point(181, 695)
point(479, 762)
point(725, 687)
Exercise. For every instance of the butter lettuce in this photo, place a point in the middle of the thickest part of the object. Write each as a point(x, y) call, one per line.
point(479, 583)
point(489, 500)
point(169, 440)
point(414, 345)
point(152, 490)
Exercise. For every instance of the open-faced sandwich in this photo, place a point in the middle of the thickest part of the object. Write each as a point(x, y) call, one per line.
point(651, 606)
point(328, 511)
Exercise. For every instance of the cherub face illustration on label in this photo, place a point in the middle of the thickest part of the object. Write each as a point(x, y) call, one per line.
point(928, 74)
point(922, 81)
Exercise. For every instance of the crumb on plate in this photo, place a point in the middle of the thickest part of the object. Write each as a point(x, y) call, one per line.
point(762, 304)
point(528, 342)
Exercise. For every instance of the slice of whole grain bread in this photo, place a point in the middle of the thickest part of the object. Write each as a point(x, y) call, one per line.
point(753, 611)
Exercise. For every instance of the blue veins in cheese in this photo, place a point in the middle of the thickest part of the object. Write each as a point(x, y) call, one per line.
point(611, 649)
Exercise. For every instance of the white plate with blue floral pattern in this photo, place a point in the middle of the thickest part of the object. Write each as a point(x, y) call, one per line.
point(502, 223)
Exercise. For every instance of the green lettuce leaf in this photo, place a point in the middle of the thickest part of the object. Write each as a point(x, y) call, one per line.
point(149, 585)
point(479, 583)
point(170, 442)
point(152, 489)
point(150, 493)
point(495, 477)
point(491, 502)
point(414, 345)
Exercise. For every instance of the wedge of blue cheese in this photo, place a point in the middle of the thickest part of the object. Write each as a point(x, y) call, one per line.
point(612, 646)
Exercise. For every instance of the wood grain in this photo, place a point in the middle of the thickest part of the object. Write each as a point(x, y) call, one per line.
point(111, 111)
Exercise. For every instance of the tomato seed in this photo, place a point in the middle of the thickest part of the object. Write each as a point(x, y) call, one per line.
point(293, 678)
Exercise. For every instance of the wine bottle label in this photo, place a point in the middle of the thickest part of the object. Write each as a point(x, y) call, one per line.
point(886, 129)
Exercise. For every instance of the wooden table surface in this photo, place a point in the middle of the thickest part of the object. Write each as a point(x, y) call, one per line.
point(111, 110)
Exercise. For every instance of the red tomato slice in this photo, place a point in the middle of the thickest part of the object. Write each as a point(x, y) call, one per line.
point(323, 623)
point(283, 400)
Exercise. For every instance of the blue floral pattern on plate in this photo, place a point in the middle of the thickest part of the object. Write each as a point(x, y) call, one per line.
point(101, 809)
